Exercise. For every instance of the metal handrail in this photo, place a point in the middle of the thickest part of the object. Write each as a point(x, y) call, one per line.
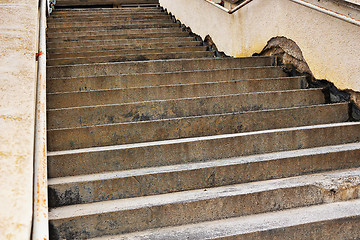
point(301, 2)
point(40, 228)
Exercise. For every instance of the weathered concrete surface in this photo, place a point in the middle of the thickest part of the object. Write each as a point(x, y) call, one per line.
point(137, 214)
point(71, 84)
point(332, 221)
point(330, 46)
point(146, 131)
point(176, 91)
point(18, 38)
point(152, 181)
point(103, 2)
point(179, 151)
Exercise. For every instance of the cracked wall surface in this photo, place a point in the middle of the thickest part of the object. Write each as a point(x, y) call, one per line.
point(18, 37)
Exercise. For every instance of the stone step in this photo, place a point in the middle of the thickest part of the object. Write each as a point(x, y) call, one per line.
point(106, 23)
point(180, 151)
point(112, 32)
point(152, 181)
point(120, 42)
point(155, 66)
point(169, 78)
point(147, 131)
point(107, 18)
point(116, 37)
point(126, 52)
point(165, 92)
point(137, 46)
point(177, 108)
point(113, 27)
point(130, 57)
point(173, 209)
point(100, 17)
point(68, 3)
point(331, 221)
point(99, 10)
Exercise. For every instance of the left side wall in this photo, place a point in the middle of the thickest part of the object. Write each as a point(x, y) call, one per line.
point(18, 45)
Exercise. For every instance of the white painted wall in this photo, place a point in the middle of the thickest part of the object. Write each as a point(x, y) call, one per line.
point(18, 37)
point(330, 46)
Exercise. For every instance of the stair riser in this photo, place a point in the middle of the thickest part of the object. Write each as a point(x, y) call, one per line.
point(143, 80)
point(113, 27)
point(100, 3)
point(119, 42)
point(130, 95)
point(189, 179)
point(126, 58)
point(113, 32)
point(117, 37)
point(155, 66)
point(125, 52)
point(106, 23)
point(104, 11)
point(194, 127)
point(106, 18)
point(185, 213)
point(179, 152)
point(126, 47)
point(342, 228)
point(156, 110)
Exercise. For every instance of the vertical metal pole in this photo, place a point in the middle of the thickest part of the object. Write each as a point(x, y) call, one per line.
point(40, 218)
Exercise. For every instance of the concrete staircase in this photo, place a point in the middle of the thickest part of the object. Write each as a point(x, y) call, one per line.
point(152, 137)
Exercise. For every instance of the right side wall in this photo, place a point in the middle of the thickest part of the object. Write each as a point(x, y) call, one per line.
point(330, 46)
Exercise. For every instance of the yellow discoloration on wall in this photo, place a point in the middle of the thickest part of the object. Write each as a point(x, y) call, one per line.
point(18, 37)
point(330, 46)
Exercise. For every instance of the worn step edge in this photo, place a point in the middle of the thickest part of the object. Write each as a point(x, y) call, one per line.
point(70, 162)
point(125, 46)
point(153, 66)
point(159, 79)
point(91, 11)
point(112, 27)
point(106, 23)
point(110, 17)
point(121, 41)
point(190, 106)
point(247, 198)
point(170, 152)
point(113, 32)
point(166, 92)
point(319, 179)
point(117, 36)
point(200, 84)
point(184, 177)
point(339, 220)
point(55, 56)
point(126, 133)
point(130, 57)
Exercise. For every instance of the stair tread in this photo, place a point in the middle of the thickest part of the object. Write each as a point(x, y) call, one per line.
point(167, 121)
point(194, 139)
point(321, 180)
point(220, 83)
point(231, 227)
point(208, 164)
point(199, 98)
